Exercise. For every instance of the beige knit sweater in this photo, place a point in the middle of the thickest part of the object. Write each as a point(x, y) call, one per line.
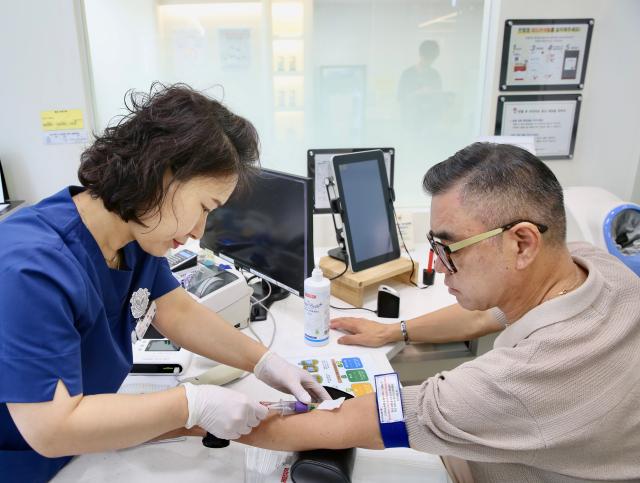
point(558, 397)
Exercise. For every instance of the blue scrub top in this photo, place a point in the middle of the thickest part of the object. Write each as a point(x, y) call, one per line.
point(64, 314)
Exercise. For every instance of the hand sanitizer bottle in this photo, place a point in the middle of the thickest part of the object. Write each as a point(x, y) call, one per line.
point(317, 293)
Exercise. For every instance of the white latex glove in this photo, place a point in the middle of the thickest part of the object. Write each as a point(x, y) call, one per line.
point(222, 412)
point(283, 376)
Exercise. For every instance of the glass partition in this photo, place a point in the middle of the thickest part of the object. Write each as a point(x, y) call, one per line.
point(307, 73)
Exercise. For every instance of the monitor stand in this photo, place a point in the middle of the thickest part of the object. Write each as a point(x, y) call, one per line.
point(259, 291)
point(339, 254)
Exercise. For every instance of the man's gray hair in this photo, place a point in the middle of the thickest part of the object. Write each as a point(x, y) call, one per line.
point(500, 184)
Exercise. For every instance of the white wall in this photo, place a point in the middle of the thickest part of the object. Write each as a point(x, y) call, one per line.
point(42, 59)
point(608, 144)
point(41, 71)
point(635, 195)
point(111, 35)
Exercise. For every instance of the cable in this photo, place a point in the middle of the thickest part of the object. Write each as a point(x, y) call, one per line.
point(413, 267)
point(354, 308)
point(263, 298)
point(254, 333)
point(334, 207)
point(346, 267)
point(273, 319)
point(273, 335)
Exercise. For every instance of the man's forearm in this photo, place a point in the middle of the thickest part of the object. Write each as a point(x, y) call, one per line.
point(355, 424)
point(449, 324)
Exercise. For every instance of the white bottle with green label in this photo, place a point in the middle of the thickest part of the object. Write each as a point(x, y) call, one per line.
point(317, 292)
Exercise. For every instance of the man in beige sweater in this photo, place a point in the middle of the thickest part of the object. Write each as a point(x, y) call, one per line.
point(558, 398)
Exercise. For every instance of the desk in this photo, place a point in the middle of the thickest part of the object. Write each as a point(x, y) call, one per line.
point(190, 461)
point(14, 205)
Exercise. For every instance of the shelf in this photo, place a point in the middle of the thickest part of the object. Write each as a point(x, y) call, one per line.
point(285, 37)
point(285, 73)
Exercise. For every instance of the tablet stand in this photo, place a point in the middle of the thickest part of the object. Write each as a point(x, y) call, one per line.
point(340, 252)
point(351, 286)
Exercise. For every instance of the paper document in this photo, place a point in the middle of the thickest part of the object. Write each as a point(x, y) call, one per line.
point(61, 119)
point(351, 374)
point(134, 384)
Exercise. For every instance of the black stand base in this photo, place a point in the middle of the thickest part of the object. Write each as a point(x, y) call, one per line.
point(259, 291)
point(339, 254)
point(428, 276)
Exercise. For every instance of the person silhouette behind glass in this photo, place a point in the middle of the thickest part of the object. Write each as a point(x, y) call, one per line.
point(420, 91)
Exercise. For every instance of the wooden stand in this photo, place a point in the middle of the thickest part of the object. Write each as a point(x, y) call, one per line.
point(350, 286)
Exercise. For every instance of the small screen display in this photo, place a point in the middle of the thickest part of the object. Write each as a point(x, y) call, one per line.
point(365, 203)
point(185, 254)
point(162, 345)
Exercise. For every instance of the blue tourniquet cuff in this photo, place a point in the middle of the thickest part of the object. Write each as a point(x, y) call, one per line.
point(390, 413)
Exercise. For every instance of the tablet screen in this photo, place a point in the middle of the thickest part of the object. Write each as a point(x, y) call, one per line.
point(368, 217)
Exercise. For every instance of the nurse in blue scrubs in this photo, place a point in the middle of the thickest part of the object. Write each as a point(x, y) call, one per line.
point(79, 269)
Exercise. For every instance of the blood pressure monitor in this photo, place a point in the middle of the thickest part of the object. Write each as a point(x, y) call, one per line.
point(159, 356)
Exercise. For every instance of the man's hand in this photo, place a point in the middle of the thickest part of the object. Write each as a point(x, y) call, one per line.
point(284, 376)
point(366, 332)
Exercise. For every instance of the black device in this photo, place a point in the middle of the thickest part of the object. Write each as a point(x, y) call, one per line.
point(182, 259)
point(428, 276)
point(319, 167)
point(267, 229)
point(388, 302)
point(570, 64)
point(159, 356)
point(366, 206)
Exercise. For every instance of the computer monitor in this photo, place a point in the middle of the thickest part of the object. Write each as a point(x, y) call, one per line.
point(319, 167)
point(367, 209)
point(267, 229)
point(4, 193)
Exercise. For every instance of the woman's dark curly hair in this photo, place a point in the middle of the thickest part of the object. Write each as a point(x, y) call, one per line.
point(171, 129)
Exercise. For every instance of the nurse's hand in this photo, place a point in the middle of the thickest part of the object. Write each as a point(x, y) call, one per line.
point(223, 412)
point(283, 376)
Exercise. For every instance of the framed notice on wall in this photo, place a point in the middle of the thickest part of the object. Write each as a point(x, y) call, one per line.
point(545, 54)
point(235, 48)
point(551, 119)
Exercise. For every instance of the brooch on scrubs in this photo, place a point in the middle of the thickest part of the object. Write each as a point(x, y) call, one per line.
point(139, 302)
point(142, 312)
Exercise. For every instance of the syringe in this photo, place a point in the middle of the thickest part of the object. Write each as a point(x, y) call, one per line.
point(285, 408)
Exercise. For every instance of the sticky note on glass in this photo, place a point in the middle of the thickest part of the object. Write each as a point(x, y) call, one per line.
point(62, 119)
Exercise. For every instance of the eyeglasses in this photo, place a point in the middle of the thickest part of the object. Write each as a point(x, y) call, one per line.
point(444, 252)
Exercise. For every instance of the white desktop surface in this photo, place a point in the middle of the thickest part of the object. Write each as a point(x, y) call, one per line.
point(189, 460)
